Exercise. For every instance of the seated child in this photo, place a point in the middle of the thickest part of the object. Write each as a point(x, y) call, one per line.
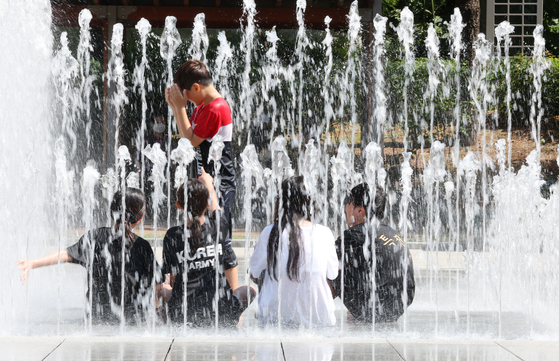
point(199, 262)
point(297, 259)
point(394, 266)
point(100, 252)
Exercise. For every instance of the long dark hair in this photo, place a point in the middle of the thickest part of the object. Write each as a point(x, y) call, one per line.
point(198, 196)
point(135, 210)
point(294, 205)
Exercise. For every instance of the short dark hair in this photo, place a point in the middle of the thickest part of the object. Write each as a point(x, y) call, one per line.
point(359, 196)
point(190, 72)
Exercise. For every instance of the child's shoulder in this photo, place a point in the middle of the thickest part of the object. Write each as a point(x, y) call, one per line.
point(265, 234)
point(268, 228)
point(141, 243)
point(102, 234)
point(219, 104)
point(322, 230)
point(175, 232)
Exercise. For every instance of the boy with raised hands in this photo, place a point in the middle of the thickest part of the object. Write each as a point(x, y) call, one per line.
point(210, 118)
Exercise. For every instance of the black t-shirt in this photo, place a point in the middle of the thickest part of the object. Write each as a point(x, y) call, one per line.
point(389, 276)
point(105, 270)
point(201, 271)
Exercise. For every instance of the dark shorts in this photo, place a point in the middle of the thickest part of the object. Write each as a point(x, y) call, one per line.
point(229, 312)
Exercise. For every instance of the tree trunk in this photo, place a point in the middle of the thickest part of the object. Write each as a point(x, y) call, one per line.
point(471, 13)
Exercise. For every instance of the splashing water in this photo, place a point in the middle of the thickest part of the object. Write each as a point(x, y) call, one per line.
point(84, 59)
point(200, 40)
point(379, 113)
point(90, 179)
point(342, 174)
point(502, 33)
point(253, 180)
point(116, 77)
point(434, 67)
point(133, 180)
point(247, 43)
point(170, 41)
point(223, 67)
point(183, 155)
point(405, 35)
point(144, 28)
point(123, 158)
point(65, 69)
point(468, 168)
point(435, 207)
point(157, 177)
point(538, 67)
point(353, 69)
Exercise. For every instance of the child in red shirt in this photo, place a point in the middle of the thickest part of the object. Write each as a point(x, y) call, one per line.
point(211, 117)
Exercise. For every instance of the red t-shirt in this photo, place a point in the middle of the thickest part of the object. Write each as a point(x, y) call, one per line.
point(212, 119)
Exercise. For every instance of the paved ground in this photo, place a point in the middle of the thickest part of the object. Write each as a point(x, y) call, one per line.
point(226, 348)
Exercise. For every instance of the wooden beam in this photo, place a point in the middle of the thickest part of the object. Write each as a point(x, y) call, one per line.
point(156, 2)
point(186, 2)
point(217, 3)
point(278, 3)
point(216, 18)
point(229, 17)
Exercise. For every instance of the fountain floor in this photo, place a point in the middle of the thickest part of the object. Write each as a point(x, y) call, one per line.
point(284, 349)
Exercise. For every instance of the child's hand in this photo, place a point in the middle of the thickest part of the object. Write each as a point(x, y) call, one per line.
point(168, 98)
point(25, 267)
point(177, 97)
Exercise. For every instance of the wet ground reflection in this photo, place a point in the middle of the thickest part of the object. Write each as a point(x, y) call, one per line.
point(312, 349)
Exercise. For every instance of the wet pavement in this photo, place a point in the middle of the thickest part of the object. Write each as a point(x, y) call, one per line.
point(276, 349)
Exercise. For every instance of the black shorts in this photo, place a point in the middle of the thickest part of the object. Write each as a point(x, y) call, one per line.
point(229, 312)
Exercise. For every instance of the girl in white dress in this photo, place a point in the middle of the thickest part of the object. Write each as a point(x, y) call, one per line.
point(294, 261)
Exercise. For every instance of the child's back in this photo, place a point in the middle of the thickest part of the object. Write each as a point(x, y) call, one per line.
point(201, 276)
point(104, 274)
point(307, 301)
point(100, 252)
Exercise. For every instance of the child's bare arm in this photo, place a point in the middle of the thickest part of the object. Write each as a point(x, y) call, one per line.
point(51, 259)
point(165, 289)
point(232, 276)
point(208, 182)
